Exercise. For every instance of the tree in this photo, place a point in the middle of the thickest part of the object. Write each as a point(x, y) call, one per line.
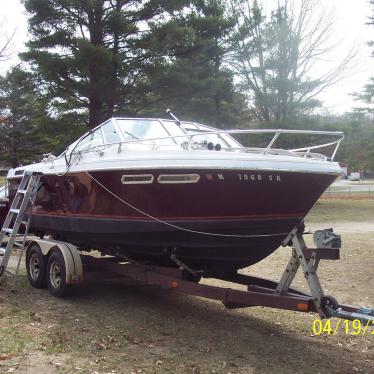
point(367, 97)
point(190, 75)
point(22, 111)
point(5, 42)
point(273, 58)
point(91, 52)
point(367, 94)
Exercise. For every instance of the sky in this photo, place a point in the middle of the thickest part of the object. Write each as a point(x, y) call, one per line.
point(348, 31)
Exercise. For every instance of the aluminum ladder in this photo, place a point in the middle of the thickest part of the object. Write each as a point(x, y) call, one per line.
point(18, 216)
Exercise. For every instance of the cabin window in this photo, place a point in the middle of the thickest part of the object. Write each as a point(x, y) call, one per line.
point(92, 140)
point(137, 179)
point(110, 133)
point(138, 129)
point(178, 178)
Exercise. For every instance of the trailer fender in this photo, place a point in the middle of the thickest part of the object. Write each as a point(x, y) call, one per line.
point(72, 258)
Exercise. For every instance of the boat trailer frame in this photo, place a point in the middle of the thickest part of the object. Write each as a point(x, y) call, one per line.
point(72, 265)
point(260, 291)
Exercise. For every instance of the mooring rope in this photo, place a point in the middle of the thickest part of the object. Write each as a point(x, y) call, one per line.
point(175, 226)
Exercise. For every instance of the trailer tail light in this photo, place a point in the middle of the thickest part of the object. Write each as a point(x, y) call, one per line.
point(174, 284)
point(302, 307)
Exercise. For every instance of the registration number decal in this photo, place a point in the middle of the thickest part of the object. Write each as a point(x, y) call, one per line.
point(244, 177)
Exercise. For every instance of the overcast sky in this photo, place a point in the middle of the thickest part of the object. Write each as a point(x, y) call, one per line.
point(349, 31)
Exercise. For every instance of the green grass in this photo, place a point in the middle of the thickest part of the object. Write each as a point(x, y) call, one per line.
point(2, 180)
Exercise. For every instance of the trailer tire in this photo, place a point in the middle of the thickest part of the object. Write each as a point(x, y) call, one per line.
point(36, 267)
point(56, 275)
point(195, 278)
point(328, 303)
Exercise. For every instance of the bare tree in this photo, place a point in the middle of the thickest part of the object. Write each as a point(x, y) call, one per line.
point(274, 57)
point(5, 44)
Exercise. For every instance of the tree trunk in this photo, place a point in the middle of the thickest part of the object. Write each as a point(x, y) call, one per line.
point(95, 106)
point(95, 110)
point(111, 100)
point(217, 96)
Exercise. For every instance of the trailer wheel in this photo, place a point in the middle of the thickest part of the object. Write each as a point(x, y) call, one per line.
point(328, 303)
point(36, 267)
point(195, 278)
point(56, 275)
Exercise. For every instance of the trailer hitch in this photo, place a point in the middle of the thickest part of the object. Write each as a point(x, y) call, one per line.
point(365, 315)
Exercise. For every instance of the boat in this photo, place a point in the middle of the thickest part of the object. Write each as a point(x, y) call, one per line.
point(177, 193)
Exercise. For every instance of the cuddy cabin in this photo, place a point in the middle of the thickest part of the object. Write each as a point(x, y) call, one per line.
point(157, 189)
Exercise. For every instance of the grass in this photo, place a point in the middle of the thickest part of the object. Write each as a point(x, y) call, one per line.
point(126, 328)
point(342, 211)
point(2, 180)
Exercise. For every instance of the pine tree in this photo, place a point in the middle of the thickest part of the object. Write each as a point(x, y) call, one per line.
point(91, 52)
point(22, 110)
point(367, 94)
point(191, 75)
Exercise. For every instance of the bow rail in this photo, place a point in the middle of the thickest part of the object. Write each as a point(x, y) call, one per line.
point(189, 141)
point(191, 145)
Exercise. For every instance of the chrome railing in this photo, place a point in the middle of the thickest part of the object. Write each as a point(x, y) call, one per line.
point(189, 145)
point(278, 132)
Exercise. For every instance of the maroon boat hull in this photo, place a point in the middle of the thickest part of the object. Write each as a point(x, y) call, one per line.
point(249, 213)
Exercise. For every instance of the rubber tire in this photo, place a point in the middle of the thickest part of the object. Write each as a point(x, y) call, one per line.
point(40, 281)
point(331, 302)
point(63, 289)
point(190, 277)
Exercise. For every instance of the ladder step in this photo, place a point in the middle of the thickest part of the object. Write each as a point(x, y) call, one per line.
point(21, 191)
point(8, 231)
point(13, 210)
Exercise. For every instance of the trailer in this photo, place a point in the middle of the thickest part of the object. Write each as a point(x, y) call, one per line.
point(60, 266)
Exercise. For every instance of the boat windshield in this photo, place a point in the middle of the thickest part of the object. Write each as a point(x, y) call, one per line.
point(201, 136)
point(149, 131)
point(138, 129)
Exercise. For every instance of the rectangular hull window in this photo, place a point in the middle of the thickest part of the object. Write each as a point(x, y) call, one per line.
point(178, 178)
point(137, 179)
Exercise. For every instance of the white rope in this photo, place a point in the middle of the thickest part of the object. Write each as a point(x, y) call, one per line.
point(175, 226)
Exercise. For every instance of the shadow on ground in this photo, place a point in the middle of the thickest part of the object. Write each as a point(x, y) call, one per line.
point(130, 328)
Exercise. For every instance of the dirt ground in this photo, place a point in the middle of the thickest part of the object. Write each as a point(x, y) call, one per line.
point(122, 327)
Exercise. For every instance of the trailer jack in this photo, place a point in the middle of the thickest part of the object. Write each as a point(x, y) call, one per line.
point(328, 248)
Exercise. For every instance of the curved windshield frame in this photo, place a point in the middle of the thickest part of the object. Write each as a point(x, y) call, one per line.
point(225, 140)
point(92, 140)
point(139, 129)
point(148, 131)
